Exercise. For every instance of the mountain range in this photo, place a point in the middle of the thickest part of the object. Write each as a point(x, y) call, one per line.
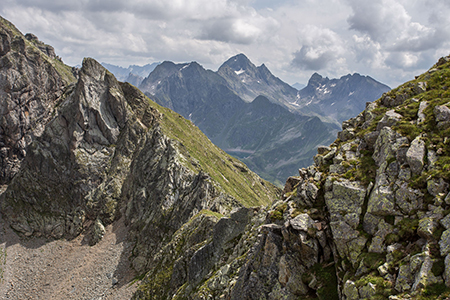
point(259, 132)
point(229, 107)
point(134, 74)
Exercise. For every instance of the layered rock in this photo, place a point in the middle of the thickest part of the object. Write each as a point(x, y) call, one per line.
point(32, 83)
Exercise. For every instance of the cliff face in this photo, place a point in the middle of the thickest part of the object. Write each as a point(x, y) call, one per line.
point(32, 82)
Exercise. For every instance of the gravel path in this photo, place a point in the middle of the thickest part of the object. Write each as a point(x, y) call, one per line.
point(35, 268)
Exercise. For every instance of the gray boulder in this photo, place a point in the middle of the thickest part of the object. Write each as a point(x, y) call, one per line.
point(415, 155)
point(389, 119)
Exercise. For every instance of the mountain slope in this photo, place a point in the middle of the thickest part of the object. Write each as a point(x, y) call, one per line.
point(264, 135)
point(33, 79)
point(369, 220)
point(109, 155)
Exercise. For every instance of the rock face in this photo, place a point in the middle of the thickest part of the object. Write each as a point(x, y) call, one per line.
point(30, 88)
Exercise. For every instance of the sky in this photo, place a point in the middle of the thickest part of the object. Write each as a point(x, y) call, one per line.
point(389, 40)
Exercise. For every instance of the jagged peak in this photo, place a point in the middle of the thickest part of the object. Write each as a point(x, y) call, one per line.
point(238, 62)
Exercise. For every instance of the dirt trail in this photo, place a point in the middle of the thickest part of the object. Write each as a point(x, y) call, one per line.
point(35, 268)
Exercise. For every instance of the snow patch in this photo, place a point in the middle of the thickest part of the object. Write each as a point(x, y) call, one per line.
point(351, 93)
point(323, 89)
point(185, 67)
point(239, 72)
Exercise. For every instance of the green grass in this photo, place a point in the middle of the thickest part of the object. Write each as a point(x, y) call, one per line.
point(435, 291)
point(327, 281)
point(232, 175)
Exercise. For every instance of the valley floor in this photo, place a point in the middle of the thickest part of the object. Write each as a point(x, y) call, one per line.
point(61, 269)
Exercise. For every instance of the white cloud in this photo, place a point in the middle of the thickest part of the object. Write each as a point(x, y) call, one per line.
point(320, 48)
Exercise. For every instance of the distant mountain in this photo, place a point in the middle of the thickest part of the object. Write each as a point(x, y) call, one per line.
point(332, 100)
point(249, 81)
point(298, 85)
point(338, 99)
point(133, 74)
point(260, 133)
point(197, 94)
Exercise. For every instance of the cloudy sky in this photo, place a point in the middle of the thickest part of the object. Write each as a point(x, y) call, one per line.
point(390, 40)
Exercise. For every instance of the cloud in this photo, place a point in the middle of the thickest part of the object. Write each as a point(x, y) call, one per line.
point(379, 19)
point(320, 48)
point(309, 58)
point(399, 34)
point(237, 30)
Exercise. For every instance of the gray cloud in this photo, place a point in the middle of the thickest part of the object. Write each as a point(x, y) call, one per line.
point(308, 59)
point(224, 31)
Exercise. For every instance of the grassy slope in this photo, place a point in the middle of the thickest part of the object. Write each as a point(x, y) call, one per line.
point(232, 175)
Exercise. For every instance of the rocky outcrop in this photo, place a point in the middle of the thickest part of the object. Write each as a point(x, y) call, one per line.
point(385, 192)
point(32, 83)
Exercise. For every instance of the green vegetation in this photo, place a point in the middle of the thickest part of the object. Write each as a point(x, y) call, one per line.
point(407, 228)
point(278, 211)
point(372, 260)
point(327, 281)
point(232, 175)
point(383, 287)
point(434, 292)
point(363, 170)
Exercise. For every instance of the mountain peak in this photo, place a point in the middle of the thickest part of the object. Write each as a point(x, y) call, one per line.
point(239, 62)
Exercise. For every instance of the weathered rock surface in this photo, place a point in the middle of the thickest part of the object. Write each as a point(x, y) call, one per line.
point(415, 155)
point(30, 88)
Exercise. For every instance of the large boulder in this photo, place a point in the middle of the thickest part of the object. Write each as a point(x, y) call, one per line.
point(415, 155)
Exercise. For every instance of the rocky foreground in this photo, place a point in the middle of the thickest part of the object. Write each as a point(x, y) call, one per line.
point(369, 220)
